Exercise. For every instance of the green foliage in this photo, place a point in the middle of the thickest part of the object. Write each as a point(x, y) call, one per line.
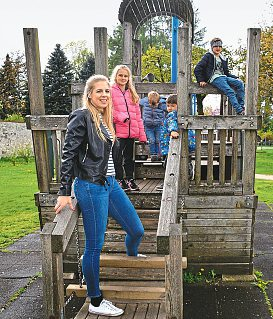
point(263, 285)
point(78, 54)
point(10, 97)
point(18, 118)
point(115, 45)
point(56, 80)
point(158, 62)
point(18, 213)
point(88, 68)
point(201, 276)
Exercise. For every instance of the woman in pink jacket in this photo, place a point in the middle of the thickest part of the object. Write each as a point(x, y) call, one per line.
point(128, 124)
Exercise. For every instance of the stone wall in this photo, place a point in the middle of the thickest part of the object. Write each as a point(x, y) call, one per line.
point(13, 136)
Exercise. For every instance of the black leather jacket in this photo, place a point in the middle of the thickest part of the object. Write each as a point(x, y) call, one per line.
point(85, 154)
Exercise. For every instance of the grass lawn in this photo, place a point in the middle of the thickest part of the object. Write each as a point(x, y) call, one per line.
point(18, 213)
point(264, 160)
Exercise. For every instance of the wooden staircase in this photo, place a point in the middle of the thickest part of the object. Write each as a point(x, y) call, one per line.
point(135, 283)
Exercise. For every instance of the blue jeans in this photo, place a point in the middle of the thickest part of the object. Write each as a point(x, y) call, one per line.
point(153, 136)
point(97, 202)
point(233, 89)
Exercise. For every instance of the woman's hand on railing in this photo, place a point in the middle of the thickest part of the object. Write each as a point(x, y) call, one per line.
point(62, 201)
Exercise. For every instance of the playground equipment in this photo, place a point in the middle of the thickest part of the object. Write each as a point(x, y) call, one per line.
point(214, 213)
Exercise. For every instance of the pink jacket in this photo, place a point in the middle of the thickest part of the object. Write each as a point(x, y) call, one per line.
point(124, 108)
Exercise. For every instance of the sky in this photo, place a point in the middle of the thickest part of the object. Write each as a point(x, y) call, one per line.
point(60, 21)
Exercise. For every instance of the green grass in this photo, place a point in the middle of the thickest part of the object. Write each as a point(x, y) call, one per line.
point(264, 160)
point(18, 213)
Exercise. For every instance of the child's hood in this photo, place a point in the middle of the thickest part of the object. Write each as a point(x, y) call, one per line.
point(221, 55)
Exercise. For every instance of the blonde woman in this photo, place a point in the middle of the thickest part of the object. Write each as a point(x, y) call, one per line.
point(128, 124)
point(89, 148)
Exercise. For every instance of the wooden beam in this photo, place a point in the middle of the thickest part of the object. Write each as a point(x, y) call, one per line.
point(174, 275)
point(35, 88)
point(101, 51)
point(127, 44)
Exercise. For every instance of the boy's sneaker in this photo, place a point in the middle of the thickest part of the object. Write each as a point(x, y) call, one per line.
point(132, 185)
point(141, 256)
point(106, 308)
point(241, 112)
point(124, 185)
point(160, 187)
point(154, 158)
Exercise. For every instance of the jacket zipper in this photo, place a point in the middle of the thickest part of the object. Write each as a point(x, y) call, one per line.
point(84, 158)
point(127, 112)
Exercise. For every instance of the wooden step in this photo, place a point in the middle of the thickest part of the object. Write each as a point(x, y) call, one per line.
point(118, 235)
point(123, 291)
point(122, 261)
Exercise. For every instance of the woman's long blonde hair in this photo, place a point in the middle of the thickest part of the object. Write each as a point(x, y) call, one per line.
point(131, 88)
point(107, 114)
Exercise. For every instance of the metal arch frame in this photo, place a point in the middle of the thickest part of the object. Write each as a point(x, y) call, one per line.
point(171, 8)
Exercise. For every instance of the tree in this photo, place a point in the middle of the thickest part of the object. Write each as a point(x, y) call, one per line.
point(9, 94)
point(157, 61)
point(115, 48)
point(78, 54)
point(88, 68)
point(56, 79)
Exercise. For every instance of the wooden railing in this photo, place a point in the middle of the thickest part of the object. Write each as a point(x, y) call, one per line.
point(55, 237)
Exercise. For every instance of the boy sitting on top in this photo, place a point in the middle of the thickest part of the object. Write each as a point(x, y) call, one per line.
point(213, 69)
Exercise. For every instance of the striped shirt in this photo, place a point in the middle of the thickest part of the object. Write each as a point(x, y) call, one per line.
point(110, 168)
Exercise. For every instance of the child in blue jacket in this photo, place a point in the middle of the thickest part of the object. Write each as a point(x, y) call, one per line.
point(153, 116)
point(169, 130)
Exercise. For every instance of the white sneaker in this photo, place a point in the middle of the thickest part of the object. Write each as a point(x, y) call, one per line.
point(141, 256)
point(106, 308)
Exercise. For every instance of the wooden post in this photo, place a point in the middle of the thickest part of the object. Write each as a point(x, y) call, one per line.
point(250, 136)
point(127, 44)
point(136, 69)
point(101, 51)
point(174, 275)
point(183, 99)
point(37, 107)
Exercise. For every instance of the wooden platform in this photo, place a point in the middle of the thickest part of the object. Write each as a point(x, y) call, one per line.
point(134, 310)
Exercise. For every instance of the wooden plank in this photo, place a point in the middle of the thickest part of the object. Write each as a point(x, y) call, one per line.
point(219, 213)
point(127, 274)
point(47, 122)
point(252, 69)
point(121, 292)
point(35, 88)
point(195, 201)
point(218, 238)
point(218, 122)
point(217, 231)
point(168, 208)
point(56, 155)
point(162, 311)
point(47, 268)
point(161, 88)
point(222, 157)
point(195, 88)
point(174, 274)
point(249, 162)
point(210, 158)
point(83, 313)
point(141, 311)
point(152, 311)
point(216, 189)
point(217, 222)
point(65, 224)
point(101, 51)
point(135, 262)
point(197, 173)
point(218, 245)
point(127, 44)
point(234, 160)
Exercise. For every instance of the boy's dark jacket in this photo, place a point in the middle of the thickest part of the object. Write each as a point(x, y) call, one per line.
point(206, 66)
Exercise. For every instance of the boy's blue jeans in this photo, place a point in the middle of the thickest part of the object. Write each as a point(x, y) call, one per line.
point(97, 202)
point(153, 136)
point(233, 89)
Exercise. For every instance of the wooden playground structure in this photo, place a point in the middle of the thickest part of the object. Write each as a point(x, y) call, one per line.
point(206, 222)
